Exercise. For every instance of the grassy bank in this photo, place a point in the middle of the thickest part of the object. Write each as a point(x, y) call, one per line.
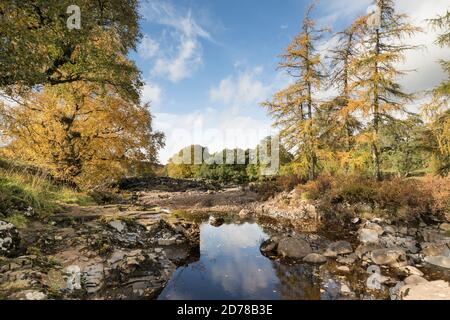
point(27, 193)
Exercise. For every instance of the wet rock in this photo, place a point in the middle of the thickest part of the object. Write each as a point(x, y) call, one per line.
point(293, 248)
point(340, 247)
point(315, 258)
point(9, 239)
point(268, 246)
point(434, 290)
point(368, 235)
point(438, 261)
point(391, 256)
point(216, 222)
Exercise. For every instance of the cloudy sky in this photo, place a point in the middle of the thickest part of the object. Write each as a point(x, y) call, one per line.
point(208, 64)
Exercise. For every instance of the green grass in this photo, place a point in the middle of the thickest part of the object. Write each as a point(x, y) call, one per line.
point(20, 190)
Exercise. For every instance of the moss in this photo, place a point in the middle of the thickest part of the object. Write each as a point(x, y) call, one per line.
point(18, 220)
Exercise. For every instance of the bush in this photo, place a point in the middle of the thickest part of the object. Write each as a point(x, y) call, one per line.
point(396, 197)
point(266, 189)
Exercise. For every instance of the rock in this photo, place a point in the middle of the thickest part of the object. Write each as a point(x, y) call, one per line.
point(436, 249)
point(340, 247)
point(118, 225)
point(35, 295)
point(410, 270)
point(439, 261)
point(347, 260)
point(390, 230)
point(375, 227)
point(216, 222)
point(403, 230)
point(268, 246)
point(356, 220)
point(368, 236)
point(366, 248)
point(167, 242)
point(293, 248)
point(391, 256)
point(9, 239)
point(315, 258)
point(73, 279)
point(415, 279)
point(434, 290)
point(343, 268)
point(445, 227)
point(244, 213)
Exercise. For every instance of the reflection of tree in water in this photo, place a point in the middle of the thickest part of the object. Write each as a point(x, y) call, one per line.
point(297, 282)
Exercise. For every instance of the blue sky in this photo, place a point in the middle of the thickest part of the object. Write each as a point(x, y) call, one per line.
point(208, 64)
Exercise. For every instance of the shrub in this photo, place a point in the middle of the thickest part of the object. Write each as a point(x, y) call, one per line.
point(266, 189)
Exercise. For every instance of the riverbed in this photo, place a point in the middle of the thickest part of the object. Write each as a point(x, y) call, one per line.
point(231, 266)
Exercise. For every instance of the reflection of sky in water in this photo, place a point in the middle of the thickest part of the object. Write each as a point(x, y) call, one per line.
point(232, 267)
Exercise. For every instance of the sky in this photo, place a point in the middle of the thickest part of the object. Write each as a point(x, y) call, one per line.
point(208, 64)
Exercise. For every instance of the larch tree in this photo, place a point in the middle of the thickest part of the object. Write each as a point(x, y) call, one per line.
point(342, 78)
point(79, 133)
point(379, 93)
point(294, 107)
point(37, 47)
point(437, 112)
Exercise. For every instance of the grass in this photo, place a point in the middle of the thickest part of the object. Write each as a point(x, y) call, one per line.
point(25, 194)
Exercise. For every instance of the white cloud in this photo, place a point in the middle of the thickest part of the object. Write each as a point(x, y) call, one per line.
point(151, 93)
point(148, 48)
point(179, 61)
point(240, 91)
point(180, 66)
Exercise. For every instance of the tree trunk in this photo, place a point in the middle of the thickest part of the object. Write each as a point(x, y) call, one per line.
point(376, 116)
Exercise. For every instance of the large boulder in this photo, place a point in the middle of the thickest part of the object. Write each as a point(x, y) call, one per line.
point(393, 256)
point(439, 261)
point(293, 248)
point(434, 290)
point(9, 239)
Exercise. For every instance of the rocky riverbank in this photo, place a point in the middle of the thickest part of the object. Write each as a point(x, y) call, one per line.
point(393, 262)
point(127, 253)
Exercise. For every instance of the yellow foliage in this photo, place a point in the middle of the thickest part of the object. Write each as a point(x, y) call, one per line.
point(79, 133)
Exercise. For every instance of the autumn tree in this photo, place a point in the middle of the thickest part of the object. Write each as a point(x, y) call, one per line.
point(437, 112)
point(343, 76)
point(379, 92)
point(37, 47)
point(79, 133)
point(294, 107)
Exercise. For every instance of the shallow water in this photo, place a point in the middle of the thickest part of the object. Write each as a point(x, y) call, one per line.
point(232, 267)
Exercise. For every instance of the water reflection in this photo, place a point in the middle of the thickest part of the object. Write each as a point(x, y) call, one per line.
point(232, 267)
